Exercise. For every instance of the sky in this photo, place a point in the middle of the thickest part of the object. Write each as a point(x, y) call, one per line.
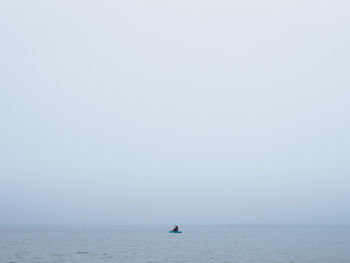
point(174, 112)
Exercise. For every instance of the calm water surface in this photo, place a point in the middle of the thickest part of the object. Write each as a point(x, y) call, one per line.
point(155, 244)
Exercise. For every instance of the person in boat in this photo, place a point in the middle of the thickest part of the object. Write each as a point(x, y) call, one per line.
point(176, 228)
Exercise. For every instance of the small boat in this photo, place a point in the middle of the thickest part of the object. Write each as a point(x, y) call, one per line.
point(175, 232)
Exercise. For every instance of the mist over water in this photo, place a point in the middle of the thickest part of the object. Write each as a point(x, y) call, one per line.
point(182, 112)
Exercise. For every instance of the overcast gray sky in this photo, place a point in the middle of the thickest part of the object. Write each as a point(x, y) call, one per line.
point(148, 112)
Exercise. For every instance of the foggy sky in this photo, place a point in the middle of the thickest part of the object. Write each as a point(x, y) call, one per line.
point(164, 112)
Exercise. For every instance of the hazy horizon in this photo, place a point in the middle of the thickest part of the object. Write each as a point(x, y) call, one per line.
point(186, 112)
point(170, 225)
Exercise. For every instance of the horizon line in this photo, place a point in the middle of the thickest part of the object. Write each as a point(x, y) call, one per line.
point(163, 224)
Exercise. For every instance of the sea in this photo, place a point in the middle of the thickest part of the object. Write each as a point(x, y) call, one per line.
point(151, 244)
